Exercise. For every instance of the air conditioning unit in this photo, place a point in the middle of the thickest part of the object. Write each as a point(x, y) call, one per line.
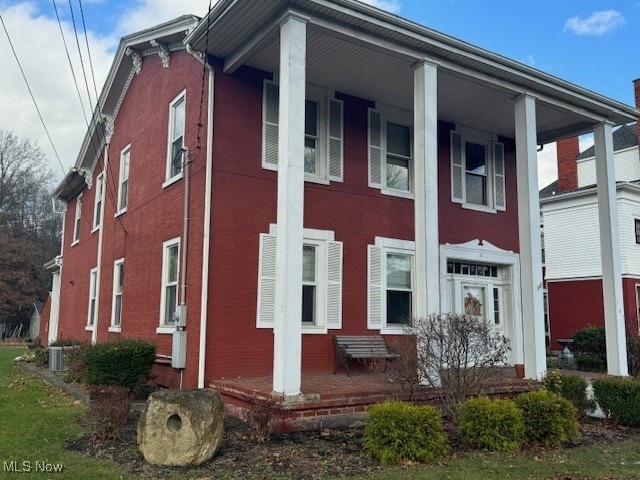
point(57, 359)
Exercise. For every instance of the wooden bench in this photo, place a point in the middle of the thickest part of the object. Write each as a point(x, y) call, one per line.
point(350, 347)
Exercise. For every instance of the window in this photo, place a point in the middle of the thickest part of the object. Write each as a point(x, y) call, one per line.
point(169, 293)
point(637, 230)
point(93, 297)
point(477, 171)
point(176, 137)
point(390, 152)
point(118, 283)
point(97, 205)
point(77, 218)
point(123, 186)
point(323, 133)
point(391, 270)
point(321, 287)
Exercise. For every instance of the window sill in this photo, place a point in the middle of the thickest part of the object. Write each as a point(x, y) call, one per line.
point(314, 330)
point(120, 212)
point(478, 208)
point(397, 193)
point(114, 329)
point(95, 229)
point(166, 329)
point(89, 328)
point(395, 330)
point(315, 179)
point(172, 180)
point(75, 242)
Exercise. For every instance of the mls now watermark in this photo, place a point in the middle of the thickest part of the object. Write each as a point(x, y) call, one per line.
point(26, 466)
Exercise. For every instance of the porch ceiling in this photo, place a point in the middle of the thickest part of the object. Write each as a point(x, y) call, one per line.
point(362, 51)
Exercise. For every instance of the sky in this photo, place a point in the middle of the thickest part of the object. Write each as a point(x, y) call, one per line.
point(587, 42)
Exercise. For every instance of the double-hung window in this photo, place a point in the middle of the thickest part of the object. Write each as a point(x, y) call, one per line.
point(477, 170)
point(321, 287)
point(97, 205)
point(175, 147)
point(93, 298)
point(169, 292)
point(323, 133)
point(76, 219)
point(390, 151)
point(123, 185)
point(391, 283)
point(637, 229)
point(118, 288)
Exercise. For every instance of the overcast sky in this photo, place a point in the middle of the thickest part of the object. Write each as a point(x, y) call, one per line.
point(587, 42)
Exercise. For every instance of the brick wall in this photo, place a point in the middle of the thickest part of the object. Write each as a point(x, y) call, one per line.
point(568, 150)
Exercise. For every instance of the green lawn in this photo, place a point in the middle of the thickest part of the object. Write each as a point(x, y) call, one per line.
point(36, 421)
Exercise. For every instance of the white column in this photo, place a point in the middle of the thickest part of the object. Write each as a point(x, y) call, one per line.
point(425, 134)
point(287, 331)
point(610, 252)
point(533, 344)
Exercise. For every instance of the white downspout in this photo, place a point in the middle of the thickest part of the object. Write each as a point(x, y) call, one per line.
point(204, 296)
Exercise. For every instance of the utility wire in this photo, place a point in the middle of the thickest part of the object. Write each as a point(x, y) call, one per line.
point(86, 39)
point(204, 72)
point(44, 125)
point(84, 72)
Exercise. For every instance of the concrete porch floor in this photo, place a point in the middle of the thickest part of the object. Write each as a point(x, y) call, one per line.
point(333, 400)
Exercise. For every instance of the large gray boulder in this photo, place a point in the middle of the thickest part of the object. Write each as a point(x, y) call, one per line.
point(181, 427)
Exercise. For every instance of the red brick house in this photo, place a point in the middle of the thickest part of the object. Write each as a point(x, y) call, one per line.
point(290, 170)
point(573, 269)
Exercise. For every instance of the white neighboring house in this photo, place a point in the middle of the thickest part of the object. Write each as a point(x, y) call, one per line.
point(34, 320)
point(573, 269)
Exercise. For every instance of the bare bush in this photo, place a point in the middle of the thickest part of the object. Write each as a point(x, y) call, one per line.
point(404, 368)
point(260, 417)
point(457, 354)
point(108, 412)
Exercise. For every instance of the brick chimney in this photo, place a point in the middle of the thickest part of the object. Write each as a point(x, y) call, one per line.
point(568, 150)
point(636, 89)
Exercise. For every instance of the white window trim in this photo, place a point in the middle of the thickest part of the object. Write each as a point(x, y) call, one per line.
point(404, 247)
point(77, 220)
point(320, 239)
point(124, 152)
point(98, 203)
point(93, 285)
point(113, 328)
point(474, 135)
point(182, 96)
point(398, 116)
point(163, 326)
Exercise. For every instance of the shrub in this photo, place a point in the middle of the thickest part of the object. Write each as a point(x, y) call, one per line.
point(77, 369)
point(491, 424)
point(398, 431)
point(260, 417)
point(633, 353)
point(126, 363)
point(620, 398)
point(571, 387)
point(108, 412)
point(587, 362)
point(548, 418)
point(41, 357)
point(591, 340)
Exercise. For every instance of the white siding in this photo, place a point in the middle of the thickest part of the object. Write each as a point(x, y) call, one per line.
point(628, 212)
point(627, 167)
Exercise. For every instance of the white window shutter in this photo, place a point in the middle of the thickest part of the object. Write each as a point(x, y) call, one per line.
point(334, 140)
point(334, 285)
point(266, 281)
point(457, 168)
point(270, 122)
point(375, 149)
point(375, 296)
point(498, 177)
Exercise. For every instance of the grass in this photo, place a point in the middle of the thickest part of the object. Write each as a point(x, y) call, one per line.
point(36, 421)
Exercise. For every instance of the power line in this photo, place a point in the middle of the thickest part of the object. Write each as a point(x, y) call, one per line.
point(86, 39)
point(84, 72)
point(32, 96)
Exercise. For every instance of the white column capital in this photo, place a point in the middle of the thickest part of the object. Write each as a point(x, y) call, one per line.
point(425, 62)
point(293, 15)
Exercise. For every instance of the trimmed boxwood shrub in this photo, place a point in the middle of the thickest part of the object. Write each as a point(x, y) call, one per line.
point(126, 363)
point(491, 424)
point(571, 387)
point(548, 418)
point(398, 431)
point(586, 362)
point(620, 398)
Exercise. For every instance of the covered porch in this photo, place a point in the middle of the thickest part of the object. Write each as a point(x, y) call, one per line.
point(364, 52)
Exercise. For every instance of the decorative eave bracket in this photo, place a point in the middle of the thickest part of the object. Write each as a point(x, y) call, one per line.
point(163, 52)
point(136, 58)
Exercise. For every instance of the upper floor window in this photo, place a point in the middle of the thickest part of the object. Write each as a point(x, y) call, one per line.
point(637, 229)
point(176, 136)
point(477, 171)
point(123, 185)
point(97, 205)
point(391, 152)
point(323, 133)
point(76, 219)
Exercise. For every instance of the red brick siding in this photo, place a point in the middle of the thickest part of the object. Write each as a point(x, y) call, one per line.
point(568, 150)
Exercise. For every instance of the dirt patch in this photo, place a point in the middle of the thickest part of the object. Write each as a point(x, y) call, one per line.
point(305, 455)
